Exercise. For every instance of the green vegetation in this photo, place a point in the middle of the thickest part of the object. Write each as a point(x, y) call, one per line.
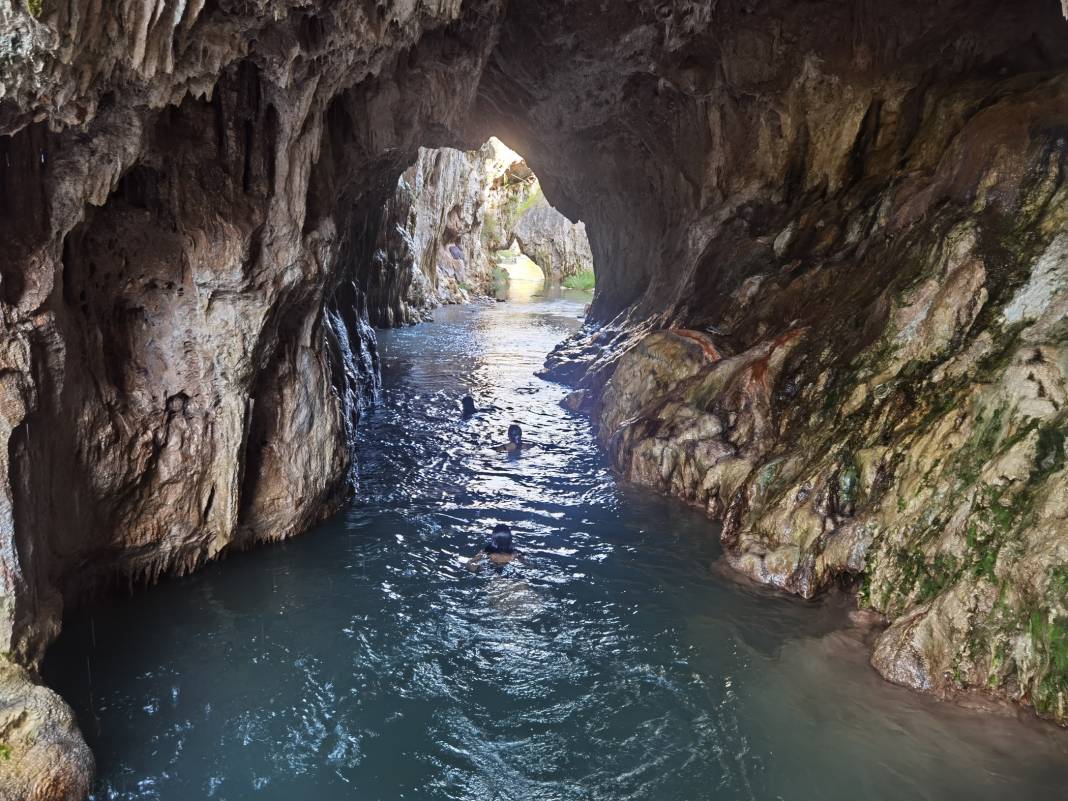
point(5, 751)
point(489, 232)
point(929, 578)
point(766, 475)
point(1050, 640)
point(864, 593)
point(984, 548)
point(1050, 456)
point(513, 207)
point(584, 280)
point(1058, 585)
point(998, 658)
point(35, 7)
point(528, 203)
point(848, 482)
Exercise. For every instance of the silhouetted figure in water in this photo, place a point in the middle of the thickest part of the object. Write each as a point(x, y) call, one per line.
point(498, 549)
point(468, 408)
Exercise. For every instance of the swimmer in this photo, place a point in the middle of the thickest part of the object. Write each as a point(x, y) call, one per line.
point(498, 549)
point(468, 405)
point(516, 443)
point(515, 440)
point(468, 408)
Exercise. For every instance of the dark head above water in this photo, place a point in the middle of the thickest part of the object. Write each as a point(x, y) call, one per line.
point(468, 404)
point(500, 541)
point(515, 434)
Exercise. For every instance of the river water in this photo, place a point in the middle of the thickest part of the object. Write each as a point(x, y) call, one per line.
point(364, 661)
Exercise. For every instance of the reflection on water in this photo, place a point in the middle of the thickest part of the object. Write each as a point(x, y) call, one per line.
point(527, 290)
point(364, 661)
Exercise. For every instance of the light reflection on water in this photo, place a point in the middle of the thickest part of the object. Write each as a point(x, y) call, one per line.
point(364, 661)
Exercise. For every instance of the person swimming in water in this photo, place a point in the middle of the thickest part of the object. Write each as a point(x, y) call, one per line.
point(469, 410)
point(498, 549)
point(515, 440)
point(516, 444)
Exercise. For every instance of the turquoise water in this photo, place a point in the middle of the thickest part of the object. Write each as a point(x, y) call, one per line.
point(364, 661)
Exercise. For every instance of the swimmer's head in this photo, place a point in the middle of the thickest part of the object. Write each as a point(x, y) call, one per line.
point(468, 404)
point(500, 541)
point(515, 434)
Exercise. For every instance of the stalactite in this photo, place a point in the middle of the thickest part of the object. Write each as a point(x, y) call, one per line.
point(748, 172)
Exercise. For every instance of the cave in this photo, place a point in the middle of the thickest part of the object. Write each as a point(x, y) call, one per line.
point(828, 323)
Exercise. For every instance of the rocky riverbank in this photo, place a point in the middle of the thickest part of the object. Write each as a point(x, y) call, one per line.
point(891, 412)
point(843, 222)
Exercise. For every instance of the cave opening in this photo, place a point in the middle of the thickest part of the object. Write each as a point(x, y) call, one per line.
point(467, 224)
point(828, 322)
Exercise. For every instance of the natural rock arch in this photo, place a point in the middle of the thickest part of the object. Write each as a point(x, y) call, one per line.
point(187, 196)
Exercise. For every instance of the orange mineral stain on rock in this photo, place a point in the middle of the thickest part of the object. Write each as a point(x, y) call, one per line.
point(702, 340)
point(759, 368)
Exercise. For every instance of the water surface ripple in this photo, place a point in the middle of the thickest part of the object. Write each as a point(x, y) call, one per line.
point(363, 661)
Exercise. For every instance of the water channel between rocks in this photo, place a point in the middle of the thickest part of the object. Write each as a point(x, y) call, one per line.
point(363, 660)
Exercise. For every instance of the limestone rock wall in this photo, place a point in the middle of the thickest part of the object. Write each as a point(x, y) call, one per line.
point(840, 222)
point(428, 248)
point(182, 190)
point(560, 247)
point(857, 359)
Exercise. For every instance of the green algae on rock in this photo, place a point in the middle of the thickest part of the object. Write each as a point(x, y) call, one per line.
point(856, 210)
point(913, 441)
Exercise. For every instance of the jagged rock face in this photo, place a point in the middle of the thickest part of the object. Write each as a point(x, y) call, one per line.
point(560, 247)
point(862, 370)
point(45, 755)
point(182, 351)
point(428, 245)
point(844, 220)
point(169, 364)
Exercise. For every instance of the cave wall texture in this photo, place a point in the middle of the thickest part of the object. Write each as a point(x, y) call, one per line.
point(832, 275)
point(428, 237)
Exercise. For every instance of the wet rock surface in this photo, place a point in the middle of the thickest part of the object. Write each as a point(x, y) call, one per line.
point(429, 250)
point(43, 751)
point(859, 210)
point(886, 410)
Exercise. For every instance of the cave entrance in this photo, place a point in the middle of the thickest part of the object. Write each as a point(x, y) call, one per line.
point(465, 224)
point(542, 245)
